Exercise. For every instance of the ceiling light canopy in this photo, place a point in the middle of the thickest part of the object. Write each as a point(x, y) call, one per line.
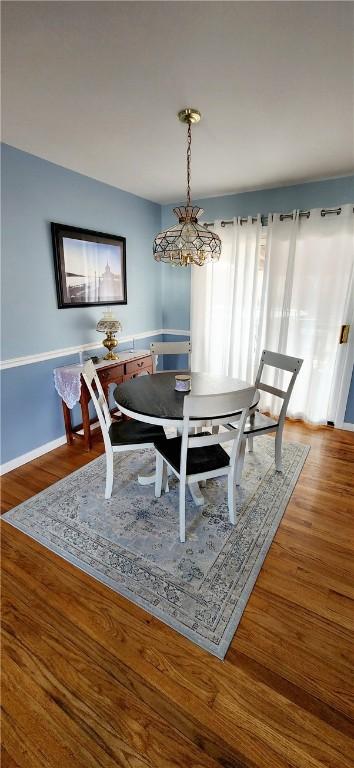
point(187, 242)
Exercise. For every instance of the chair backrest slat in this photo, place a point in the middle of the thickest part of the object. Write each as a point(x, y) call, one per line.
point(170, 348)
point(278, 360)
point(197, 406)
point(215, 409)
point(281, 363)
point(94, 387)
point(272, 390)
point(199, 441)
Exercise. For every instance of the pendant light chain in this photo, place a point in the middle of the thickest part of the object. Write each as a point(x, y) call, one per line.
point(187, 242)
point(189, 155)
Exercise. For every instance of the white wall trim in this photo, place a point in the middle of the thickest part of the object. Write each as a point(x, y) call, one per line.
point(346, 425)
point(345, 357)
point(174, 332)
point(54, 353)
point(26, 457)
point(41, 356)
point(36, 452)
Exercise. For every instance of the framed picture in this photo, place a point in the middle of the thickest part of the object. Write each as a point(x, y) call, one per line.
point(90, 267)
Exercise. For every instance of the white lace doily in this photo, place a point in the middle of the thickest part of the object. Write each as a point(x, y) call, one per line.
point(67, 380)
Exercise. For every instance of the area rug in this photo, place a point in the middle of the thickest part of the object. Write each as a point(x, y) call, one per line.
point(130, 542)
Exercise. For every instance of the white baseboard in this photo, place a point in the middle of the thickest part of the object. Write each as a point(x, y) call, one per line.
point(26, 457)
point(346, 425)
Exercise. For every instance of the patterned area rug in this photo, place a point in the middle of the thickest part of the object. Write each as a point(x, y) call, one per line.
point(130, 542)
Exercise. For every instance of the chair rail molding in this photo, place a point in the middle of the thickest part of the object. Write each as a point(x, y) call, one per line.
point(54, 353)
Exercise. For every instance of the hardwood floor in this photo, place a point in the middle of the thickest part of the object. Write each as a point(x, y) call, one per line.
point(91, 680)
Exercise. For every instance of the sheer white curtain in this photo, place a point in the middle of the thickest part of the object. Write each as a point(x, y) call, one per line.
point(296, 305)
point(224, 304)
point(307, 282)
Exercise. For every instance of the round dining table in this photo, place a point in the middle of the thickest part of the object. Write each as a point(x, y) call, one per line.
point(153, 399)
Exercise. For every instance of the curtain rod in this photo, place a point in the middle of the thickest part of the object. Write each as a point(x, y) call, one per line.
point(264, 219)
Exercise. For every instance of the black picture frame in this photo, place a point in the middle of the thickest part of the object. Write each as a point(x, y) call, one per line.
point(94, 290)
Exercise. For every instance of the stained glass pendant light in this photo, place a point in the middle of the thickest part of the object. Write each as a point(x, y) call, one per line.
point(187, 242)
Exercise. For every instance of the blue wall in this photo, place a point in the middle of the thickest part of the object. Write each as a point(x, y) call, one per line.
point(349, 413)
point(36, 192)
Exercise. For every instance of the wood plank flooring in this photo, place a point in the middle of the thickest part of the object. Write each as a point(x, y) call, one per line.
point(91, 680)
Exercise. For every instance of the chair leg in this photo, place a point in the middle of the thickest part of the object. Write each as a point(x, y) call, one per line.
point(231, 497)
point(165, 474)
point(109, 475)
point(250, 439)
point(278, 451)
point(240, 461)
point(159, 479)
point(182, 512)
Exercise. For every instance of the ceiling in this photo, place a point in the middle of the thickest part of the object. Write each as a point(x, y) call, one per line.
point(95, 87)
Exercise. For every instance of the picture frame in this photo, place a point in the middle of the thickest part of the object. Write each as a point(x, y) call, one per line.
point(90, 267)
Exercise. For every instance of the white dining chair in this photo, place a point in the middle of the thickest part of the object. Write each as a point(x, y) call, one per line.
point(170, 348)
point(258, 423)
point(197, 458)
point(118, 436)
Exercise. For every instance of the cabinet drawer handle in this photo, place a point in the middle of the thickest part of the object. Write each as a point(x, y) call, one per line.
point(140, 364)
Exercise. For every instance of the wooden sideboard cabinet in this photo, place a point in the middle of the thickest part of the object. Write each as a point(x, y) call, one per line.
point(129, 365)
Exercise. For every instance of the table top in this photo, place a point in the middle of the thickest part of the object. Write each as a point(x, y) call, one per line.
point(154, 395)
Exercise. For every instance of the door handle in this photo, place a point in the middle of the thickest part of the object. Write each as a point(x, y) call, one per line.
point(344, 334)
